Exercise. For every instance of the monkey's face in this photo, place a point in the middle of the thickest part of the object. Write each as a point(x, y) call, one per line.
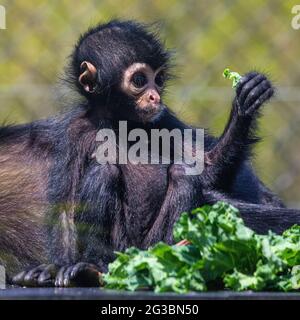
point(144, 87)
point(121, 68)
point(137, 94)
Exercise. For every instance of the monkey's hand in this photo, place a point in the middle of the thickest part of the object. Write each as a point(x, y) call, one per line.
point(79, 275)
point(252, 91)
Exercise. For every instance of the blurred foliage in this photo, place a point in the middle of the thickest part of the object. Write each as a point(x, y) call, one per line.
point(208, 36)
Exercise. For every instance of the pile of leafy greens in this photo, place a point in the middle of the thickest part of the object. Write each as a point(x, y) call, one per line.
point(223, 253)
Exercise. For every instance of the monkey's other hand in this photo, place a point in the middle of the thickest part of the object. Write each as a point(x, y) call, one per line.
point(79, 275)
point(253, 90)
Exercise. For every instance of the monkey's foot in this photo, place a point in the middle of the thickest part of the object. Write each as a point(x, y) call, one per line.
point(79, 275)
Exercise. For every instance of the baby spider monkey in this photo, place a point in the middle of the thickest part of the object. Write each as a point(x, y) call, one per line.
point(62, 214)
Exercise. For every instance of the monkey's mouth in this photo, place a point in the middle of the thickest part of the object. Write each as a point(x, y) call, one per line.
point(150, 113)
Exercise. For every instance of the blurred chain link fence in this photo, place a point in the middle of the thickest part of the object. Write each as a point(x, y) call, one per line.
point(207, 35)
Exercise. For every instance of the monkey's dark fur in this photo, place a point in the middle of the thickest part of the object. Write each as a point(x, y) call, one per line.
point(62, 214)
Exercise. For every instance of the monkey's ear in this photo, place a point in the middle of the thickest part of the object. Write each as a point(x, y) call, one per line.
point(88, 75)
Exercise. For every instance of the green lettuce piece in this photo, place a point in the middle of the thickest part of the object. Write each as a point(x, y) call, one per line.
point(290, 281)
point(231, 75)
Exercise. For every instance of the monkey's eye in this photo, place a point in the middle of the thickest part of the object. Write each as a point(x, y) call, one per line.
point(160, 79)
point(139, 80)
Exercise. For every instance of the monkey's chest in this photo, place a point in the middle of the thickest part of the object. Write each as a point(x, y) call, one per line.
point(145, 187)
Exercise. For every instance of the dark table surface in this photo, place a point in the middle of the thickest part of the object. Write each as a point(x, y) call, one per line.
point(100, 294)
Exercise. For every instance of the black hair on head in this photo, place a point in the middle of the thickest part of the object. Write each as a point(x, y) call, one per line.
point(114, 46)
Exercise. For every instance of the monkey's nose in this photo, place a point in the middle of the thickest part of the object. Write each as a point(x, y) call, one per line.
point(154, 98)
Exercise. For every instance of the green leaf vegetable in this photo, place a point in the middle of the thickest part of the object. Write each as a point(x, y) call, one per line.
point(234, 76)
point(223, 253)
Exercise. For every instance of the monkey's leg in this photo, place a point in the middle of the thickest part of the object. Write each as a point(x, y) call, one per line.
point(98, 205)
point(183, 194)
point(260, 218)
point(233, 146)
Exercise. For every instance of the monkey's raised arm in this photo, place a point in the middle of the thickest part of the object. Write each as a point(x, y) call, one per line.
point(233, 147)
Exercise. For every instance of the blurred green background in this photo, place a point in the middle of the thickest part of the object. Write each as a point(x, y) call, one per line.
point(207, 35)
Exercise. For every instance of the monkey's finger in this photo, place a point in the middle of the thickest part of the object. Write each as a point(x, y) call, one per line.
point(59, 280)
point(47, 277)
point(249, 86)
point(256, 92)
point(19, 278)
point(31, 278)
point(247, 77)
point(262, 99)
